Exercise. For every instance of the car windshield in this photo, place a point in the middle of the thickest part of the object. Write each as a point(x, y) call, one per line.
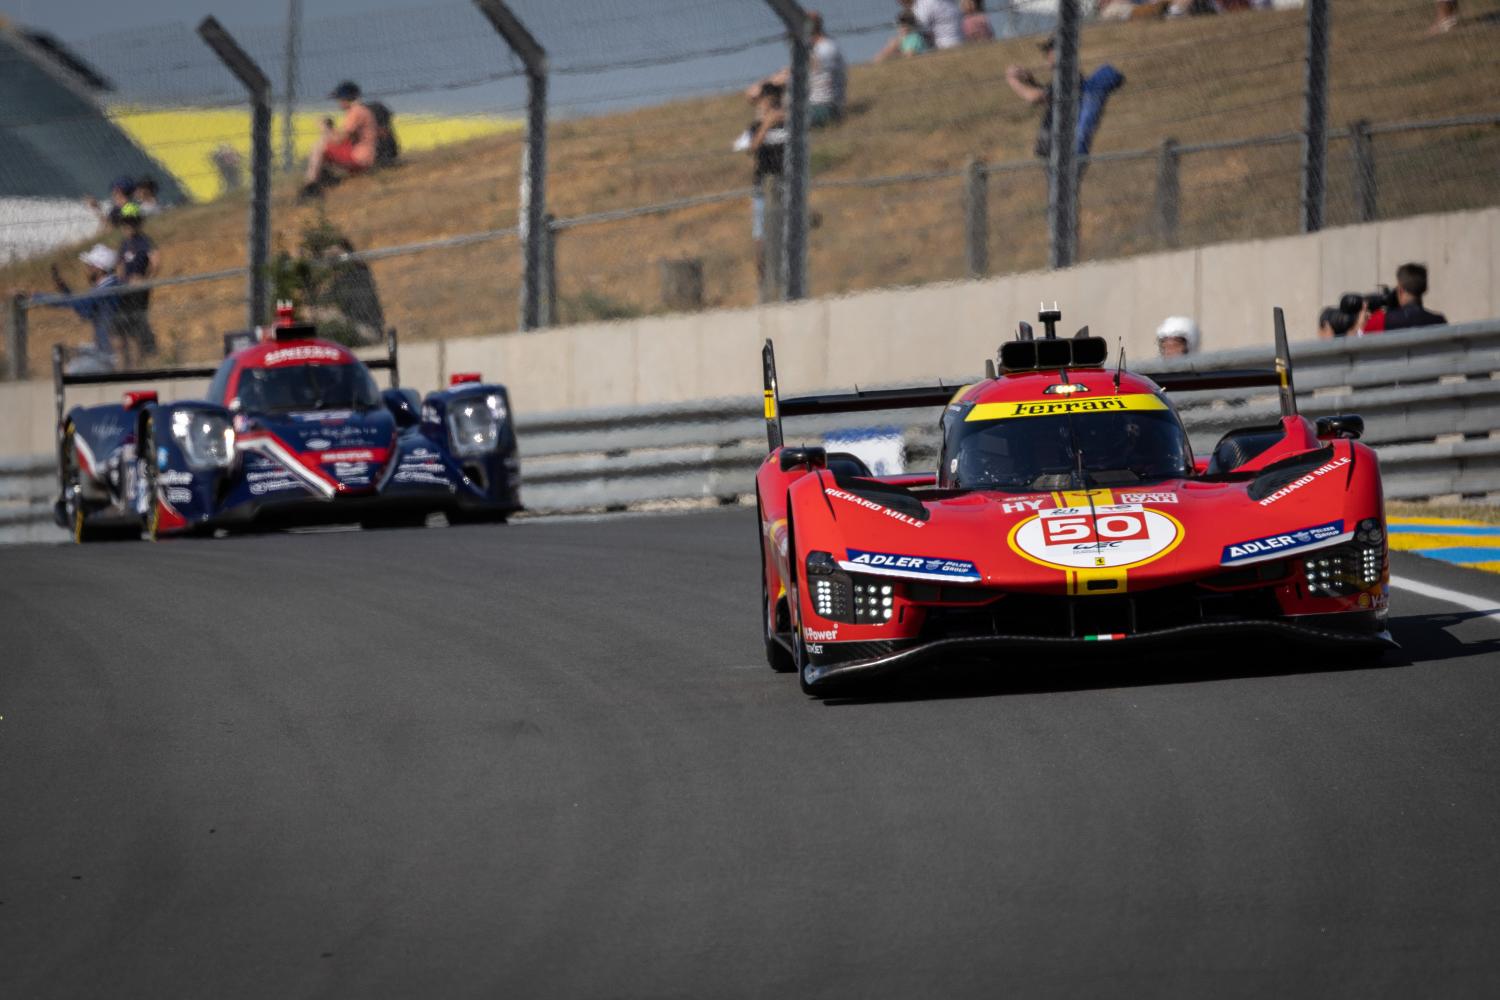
point(1042, 453)
point(307, 387)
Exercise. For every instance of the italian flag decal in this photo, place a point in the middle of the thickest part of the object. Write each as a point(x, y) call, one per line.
point(1111, 637)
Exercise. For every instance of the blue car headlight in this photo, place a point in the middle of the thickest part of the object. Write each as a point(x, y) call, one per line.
point(474, 424)
point(206, 439)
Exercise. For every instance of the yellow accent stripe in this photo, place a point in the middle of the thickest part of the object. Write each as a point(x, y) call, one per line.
point(770, 404)
point(1080, 498)
point(1057, 407)
point(1094, 582)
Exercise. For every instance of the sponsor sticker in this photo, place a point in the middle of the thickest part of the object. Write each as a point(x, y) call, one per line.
point(176, 494)
point(926, 567)
point(318, 444)
point(1058, 407)
point(1024, 505)
point(820, 635)
point(1274, 546)
point(306, 352)
point(1311, 477)
point(355, 455)
point(1110, 536)
point(860, 501)
point(174, 477)
point(1148, 497)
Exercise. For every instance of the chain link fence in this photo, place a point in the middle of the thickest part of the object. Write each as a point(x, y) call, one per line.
point(929, 176)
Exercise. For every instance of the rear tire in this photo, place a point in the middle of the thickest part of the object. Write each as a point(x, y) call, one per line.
point(78, 524)
point(776, 654)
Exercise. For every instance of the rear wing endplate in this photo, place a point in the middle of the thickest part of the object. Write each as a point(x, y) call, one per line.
point(858, 401)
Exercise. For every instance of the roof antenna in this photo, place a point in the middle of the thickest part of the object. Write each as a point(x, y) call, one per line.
point(1049, 318)
point(1119, 366)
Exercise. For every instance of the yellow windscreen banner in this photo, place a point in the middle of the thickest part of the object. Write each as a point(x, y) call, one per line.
point(1058, 407)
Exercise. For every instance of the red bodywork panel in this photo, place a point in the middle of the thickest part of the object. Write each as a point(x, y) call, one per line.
point(980, 547)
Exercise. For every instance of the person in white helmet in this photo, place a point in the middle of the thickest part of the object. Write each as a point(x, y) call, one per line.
point(1177, 337)
point(102, 312)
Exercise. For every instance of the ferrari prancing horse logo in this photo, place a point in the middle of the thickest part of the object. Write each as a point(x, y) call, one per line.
point(1116, 536)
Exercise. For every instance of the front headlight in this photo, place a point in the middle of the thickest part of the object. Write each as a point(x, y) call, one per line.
point(474, 424)
point(206, 439)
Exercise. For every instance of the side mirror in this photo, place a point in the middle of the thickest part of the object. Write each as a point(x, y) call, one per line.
point(404, 405)
point(1345, 425)
point(803, 458)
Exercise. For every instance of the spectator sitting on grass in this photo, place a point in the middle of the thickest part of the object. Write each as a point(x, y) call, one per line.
point(139, 260)
point(977, 27)
point(1411, 286)
point(909, 40)
point(348, 149)
point(941, 22)
point(101, 312)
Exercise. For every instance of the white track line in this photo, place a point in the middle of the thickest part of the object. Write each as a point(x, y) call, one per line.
point(1490, 609)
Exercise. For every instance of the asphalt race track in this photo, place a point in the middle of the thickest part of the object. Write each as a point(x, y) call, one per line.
point(548, 760)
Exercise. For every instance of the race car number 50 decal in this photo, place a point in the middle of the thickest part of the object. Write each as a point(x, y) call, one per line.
point(1117, 536)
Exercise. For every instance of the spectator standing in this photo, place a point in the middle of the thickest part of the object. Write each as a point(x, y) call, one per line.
point(977, 27)
point(101, 312)
point(349, 148)
point(1411, 287)
point(940, 21)
point(119, 195)
point(830, 77)
point(765, 141)
point(1094, 93)
point(139, 261)
point(1177, 337)
point(145, 197)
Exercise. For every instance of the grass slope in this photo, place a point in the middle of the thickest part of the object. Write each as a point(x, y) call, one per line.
point(1195, 80)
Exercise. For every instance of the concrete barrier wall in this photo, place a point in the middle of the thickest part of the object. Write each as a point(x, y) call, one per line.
point(933, 331)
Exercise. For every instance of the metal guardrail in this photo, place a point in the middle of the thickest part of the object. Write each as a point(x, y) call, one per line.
point(1430, 399)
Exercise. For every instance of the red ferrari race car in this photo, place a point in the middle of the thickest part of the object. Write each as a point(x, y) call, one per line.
point(1067, 509)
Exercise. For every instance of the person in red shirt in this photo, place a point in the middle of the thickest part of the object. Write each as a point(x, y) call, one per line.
point(350, 148)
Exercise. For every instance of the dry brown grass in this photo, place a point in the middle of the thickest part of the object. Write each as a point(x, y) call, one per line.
point(1195, 80)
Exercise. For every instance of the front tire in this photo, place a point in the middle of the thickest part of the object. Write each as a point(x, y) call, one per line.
point(776, 654)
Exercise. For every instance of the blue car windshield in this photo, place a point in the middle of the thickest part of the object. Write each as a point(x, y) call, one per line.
point(307, 387)
point(1045, 453)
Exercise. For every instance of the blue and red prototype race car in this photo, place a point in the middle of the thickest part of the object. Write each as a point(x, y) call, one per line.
point(1067, 509)
point(294, 431)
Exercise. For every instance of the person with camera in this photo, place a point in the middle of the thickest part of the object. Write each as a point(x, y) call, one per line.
point(1409, 312)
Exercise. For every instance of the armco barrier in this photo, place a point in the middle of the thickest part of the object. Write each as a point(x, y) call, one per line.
point(1430, 399)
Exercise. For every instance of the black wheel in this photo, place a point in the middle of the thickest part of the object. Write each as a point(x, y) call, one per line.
point(800, 662)
point(776, 654)
point(73, 505)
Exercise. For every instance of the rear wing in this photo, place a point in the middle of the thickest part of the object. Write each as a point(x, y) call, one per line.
point(858, 401)
point(1279, 377)
point(62, 379)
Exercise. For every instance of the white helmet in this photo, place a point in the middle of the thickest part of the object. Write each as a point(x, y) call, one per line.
point(101, 257)
point(1179, 326)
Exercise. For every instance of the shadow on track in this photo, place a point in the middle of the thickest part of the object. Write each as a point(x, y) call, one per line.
point(1423, 638)
point(1089, 672)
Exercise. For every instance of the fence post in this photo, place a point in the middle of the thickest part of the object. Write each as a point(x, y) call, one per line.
point(1168, 193)
point(1315, 130)
point(793, 280)
point(548, 314)
point(977, 218)
point(289, 98)
point(248, 73)
point(1062, 175)
point(15, 338)
point(772, 248)
point(1366, 193)
point(534, 163)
